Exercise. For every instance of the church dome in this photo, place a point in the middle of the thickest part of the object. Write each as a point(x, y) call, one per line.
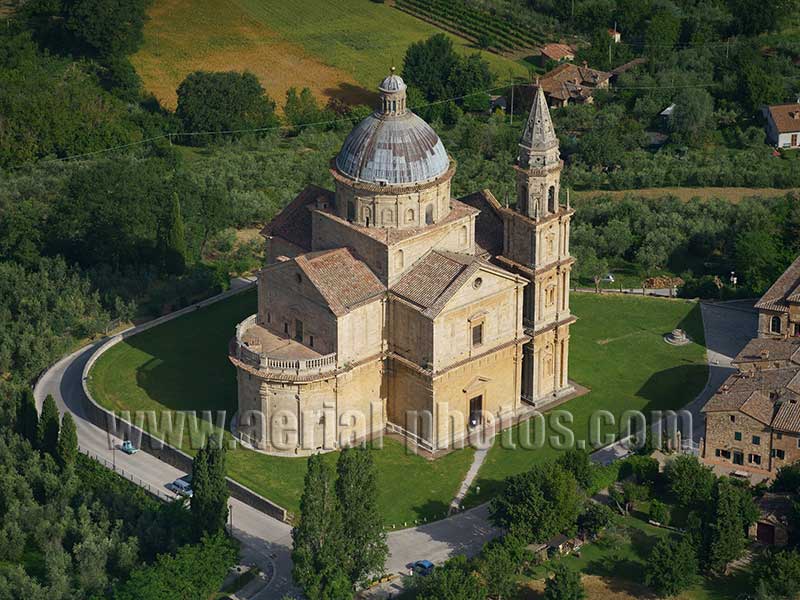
point(393, 146)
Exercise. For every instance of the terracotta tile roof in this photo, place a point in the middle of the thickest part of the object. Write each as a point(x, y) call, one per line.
point(557, 51)
point(343, 280)
point(293, 223)
point(572, 81)
point(786, 117)
point(489, 224)
point(437, 276)
point(774, 350)
point(787, 286)
point(788, 416)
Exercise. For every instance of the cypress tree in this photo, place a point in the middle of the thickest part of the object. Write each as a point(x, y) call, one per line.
point(28, 417)
point(47, 433)
point(67, 451)
point(364, 540)
point(727, 528)
point(318, 544)
point(175, 242)
point(209, 504)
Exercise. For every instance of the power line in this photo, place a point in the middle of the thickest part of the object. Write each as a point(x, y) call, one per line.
point(172, 135)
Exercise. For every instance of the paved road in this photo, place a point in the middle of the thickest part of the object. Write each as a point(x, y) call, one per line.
point(267, 541)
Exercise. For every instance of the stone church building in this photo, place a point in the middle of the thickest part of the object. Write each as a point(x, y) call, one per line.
point(388, 304)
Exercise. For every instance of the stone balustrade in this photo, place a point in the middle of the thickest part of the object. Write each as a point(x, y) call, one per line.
point(284, 367)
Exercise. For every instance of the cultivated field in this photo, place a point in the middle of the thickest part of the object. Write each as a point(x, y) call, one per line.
point(338, 48)
point(732, 194)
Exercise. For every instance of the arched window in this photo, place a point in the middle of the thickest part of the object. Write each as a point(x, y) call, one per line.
point(551, 199)
point(398, 259)
point(367, 214)
point(351, 210)
point(775, 325)
point(410, 215)
point(429, 214)
point(394, 105)
point(387, 216)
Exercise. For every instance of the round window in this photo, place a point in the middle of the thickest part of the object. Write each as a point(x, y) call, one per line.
point(477, 283)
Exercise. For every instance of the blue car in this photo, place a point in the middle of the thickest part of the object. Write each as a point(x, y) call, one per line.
point(423, 567)
point(128, 447)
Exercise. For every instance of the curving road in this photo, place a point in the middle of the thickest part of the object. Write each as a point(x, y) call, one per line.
point(266, 541)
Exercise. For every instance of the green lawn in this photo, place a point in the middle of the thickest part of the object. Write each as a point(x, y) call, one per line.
point(617, 351)
point(183, 365)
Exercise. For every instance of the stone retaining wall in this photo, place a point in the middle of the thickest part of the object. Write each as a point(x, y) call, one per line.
point(156, 447)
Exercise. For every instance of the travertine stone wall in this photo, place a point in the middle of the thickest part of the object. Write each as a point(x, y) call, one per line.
point(283, 298)
point(298, 419)
point(720, 434)
point(494, 377)
point(397, 207)
point(496, 303)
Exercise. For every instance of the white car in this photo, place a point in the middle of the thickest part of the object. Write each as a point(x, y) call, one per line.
point(607, 278)
point(182, 487)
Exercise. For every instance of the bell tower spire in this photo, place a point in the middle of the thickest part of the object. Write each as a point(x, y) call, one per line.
point(538, 162)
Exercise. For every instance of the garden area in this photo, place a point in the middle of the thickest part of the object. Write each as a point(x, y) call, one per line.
point(617, 352)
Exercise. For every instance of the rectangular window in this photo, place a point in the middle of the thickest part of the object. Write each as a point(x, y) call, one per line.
point(717, 452)
point(726, 454)
point(269, 318)
point(298, 330)
point(733, 418)
point(756, 440)
point(756, 459)
point(779, 436)
point(737, 435)
point(780, 454)
point(311, 341)
point(286, 328)
point(477, 335)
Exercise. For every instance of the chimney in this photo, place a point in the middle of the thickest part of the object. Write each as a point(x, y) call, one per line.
point(764, 354)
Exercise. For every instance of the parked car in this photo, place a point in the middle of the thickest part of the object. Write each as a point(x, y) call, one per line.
point(182, 486)
point(608, 278)
point(423, 567)
point(128, 447)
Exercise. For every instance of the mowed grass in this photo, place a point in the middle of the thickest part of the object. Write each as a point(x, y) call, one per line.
point(616, 347)
point(617, 351)
point(338, 49)
point(183, 366)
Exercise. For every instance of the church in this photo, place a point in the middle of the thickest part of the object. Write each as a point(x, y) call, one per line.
point(388, 305)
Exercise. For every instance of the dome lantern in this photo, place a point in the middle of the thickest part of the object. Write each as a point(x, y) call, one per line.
point(393, 94)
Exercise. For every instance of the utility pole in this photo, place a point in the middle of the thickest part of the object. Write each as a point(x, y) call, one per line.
point(512, 99)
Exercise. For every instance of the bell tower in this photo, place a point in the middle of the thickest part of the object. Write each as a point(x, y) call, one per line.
point(536, 244)
point(538, 163)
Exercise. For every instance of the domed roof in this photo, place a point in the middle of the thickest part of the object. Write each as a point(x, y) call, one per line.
point(392, 83)
point(393, 146)
point(393, 150)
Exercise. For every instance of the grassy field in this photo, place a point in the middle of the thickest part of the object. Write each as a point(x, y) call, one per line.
point(338, 49)
point(183, 365)
point(617, 351)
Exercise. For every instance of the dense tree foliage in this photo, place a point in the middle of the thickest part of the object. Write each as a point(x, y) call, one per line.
point(195, 571)
point(318, 542)
point(364, 542)
point(689, 481)
point(565, 584)
point(455, 580)
point(209, 502)
point(538, 504)
point(81, 531)
point(671, 566)
point(435, 69)
point(776, 574)
point(210, 103)
point(47, 435)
